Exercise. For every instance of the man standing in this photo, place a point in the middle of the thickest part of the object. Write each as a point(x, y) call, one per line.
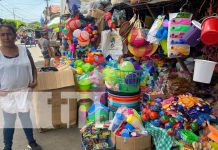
point(45, 48)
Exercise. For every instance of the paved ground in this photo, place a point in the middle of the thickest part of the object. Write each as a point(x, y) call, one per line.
point(61, 139)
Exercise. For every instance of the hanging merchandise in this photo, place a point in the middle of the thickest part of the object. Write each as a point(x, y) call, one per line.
point(162, 35)
point(83, 39)
point(118, 16)
point(126, 27)
point(154, 29)
point(137, 45)
point(73, 23)
point(109, 23)
point(111, 44)
point(192, 36)
point(74, 6)
point(179, 24)
point(203, 70)
point(209, 32)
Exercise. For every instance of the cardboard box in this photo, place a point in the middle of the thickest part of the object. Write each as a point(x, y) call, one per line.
point(53, 109)
point(55, 80)
point(136, 143)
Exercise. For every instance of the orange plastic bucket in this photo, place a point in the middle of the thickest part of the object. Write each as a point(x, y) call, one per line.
point(209, 33)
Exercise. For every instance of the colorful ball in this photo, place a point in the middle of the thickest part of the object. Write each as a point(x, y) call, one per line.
point(194, 126)
point(79, 70)
point(164, 119)
point(127, 66)
point(172, 121)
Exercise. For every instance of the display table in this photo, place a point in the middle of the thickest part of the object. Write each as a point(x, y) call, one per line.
point(53, 106)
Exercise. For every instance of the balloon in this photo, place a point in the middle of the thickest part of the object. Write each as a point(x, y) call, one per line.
point(69, 35)
point(56, 30)
point(127, 66)
point(94, 32)
point(76, 33)
point(65, 31)
point(137, 66)
point(75, 40)
point(74, 24)
point(83, 36)
point(72, 48)
point(108, 16)
point(69, 42)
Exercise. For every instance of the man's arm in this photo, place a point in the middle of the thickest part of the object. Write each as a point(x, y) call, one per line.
point(49, 48)
point(39, 45)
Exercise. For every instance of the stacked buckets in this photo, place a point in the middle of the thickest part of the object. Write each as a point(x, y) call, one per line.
point(117, 99)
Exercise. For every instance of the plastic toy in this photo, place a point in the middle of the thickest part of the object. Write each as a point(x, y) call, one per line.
point(153, 115)
point(188, 136)
point(135, 122)
point(98, 112)
point(162, 33)
point(164, 119)
point(129, 127)
point(156, 122)
point(95, 59)
point(79, 70)
point(95, 77)
point(87, 68)
point(78, 63)
point(194, 126)
point(125, 133)
point(117, 121)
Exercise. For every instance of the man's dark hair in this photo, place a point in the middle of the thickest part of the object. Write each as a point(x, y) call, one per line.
point(9, 27)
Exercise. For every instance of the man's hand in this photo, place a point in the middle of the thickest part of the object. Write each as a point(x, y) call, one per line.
point(33, 84)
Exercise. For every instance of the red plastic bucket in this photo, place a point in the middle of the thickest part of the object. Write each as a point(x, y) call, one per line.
point(209, 34)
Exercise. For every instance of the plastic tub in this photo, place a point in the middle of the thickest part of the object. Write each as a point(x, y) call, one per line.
point(203, 70)
point(85, 85)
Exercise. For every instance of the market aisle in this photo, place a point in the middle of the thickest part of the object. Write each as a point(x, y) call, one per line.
point(61, 139)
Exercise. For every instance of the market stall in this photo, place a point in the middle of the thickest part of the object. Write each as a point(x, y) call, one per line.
point(155, 64)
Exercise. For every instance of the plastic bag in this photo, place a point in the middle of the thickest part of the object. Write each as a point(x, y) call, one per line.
point(111, 44)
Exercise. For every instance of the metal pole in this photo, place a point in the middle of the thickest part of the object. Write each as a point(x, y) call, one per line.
point(47, 12)
point(13, 14)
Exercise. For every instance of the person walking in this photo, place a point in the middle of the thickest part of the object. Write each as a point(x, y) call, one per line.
point(44, 45)
point(18, 76)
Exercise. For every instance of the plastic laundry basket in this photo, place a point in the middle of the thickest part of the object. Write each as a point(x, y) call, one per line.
point(128, 81)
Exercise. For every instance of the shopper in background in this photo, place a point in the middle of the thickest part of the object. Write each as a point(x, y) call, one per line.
point(44, 45)
point(17, 78)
